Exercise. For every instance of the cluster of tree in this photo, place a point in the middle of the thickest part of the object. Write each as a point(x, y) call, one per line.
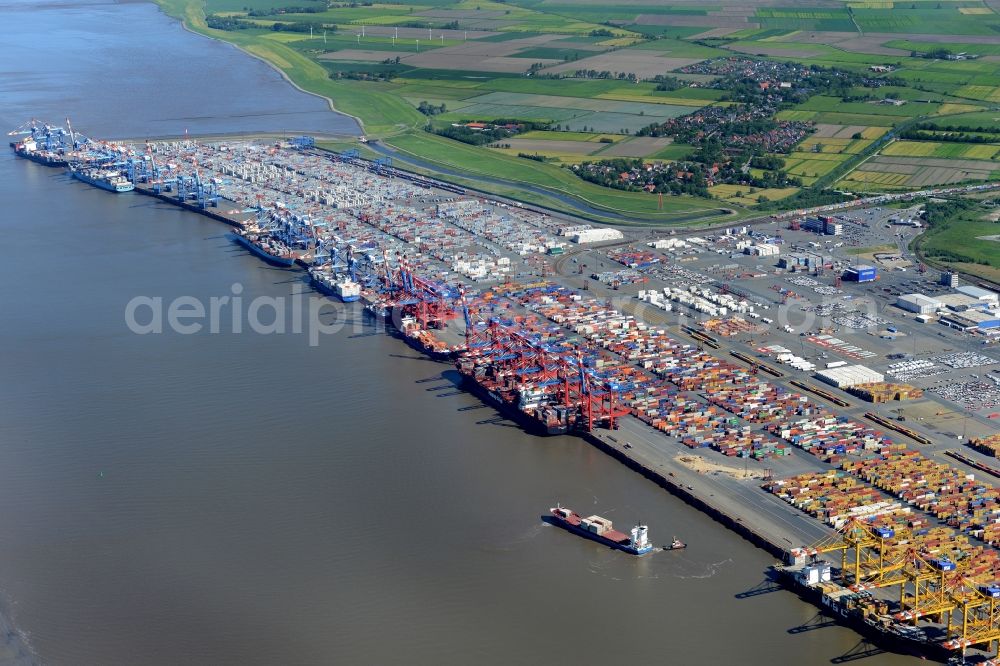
point(770, 179)
point(472, 137)
point(431, 109)
point(386, 75)
point(924, 132)
point(941, 212)
point(502, 128)
point(352, 5)
point(391, 61)
point(954, 137)
point(450, 26)
point(607, 173)
point(529, 156)
point(959, 128)
point(601, 32)
point(228, 23)
point(667, 83)
point(936, 54)
point(594, 74)
point(296, 27)
point(808, 198)
point(767, 162)
point(273, 11)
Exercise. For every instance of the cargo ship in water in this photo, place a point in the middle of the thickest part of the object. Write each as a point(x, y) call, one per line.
point(862, 611)
point(525, 406)
point(48, 144)
point(423, 340)
point(601, 530)
point(270, 249)
point(111, 180)
point(332, 284)
point(30, 150)
point(277, 235)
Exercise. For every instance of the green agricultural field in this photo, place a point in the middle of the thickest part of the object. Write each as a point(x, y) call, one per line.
point(941, 150)
point(954, 47)
point(475, 161)
point(965, 242)
point(495, 43)
point(824, 145)
point(812, 166)
point(985, 119)
point(570, 136)
point(946, 20)
point(821, 103)
point(675, 151)
point(985, 93)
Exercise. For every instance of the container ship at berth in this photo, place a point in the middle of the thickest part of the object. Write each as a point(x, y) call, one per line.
point(525, 406)
point(423, 340)
point(111, 180)
point(277, 235)
point(48, 144)
point(601, 530)
point(864, 612)
point(271, 250)
point(331, 284)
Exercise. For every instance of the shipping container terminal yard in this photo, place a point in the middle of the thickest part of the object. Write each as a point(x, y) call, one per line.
point(803, 380)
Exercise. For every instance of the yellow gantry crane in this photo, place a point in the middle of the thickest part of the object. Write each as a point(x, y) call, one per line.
point(855, 537)
point(931, 588)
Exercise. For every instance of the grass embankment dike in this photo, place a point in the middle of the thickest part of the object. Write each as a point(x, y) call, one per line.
point(390, 119)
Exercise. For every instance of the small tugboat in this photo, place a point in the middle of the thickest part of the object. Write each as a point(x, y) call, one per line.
point(676, 544)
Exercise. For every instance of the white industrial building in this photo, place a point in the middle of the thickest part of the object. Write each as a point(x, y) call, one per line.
point(990, 298)
point(668, 244)
point(919, 303)
point(849, 375)
point(960, 302)
point(762, 250)
point(596, 235)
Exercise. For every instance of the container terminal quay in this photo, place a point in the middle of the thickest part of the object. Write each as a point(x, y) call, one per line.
point(804, 380)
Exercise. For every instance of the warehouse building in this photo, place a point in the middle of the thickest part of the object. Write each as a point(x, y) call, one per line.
point(823, 225)
point(849, 375)
point(960, 302)
point(971, 320)
point(595, 235)
point(861, 273)
point(801, 260)
point(762, 250)
point(991, 298)
point(918, 303)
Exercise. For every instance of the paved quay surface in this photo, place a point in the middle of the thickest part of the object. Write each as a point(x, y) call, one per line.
point(743, 500)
